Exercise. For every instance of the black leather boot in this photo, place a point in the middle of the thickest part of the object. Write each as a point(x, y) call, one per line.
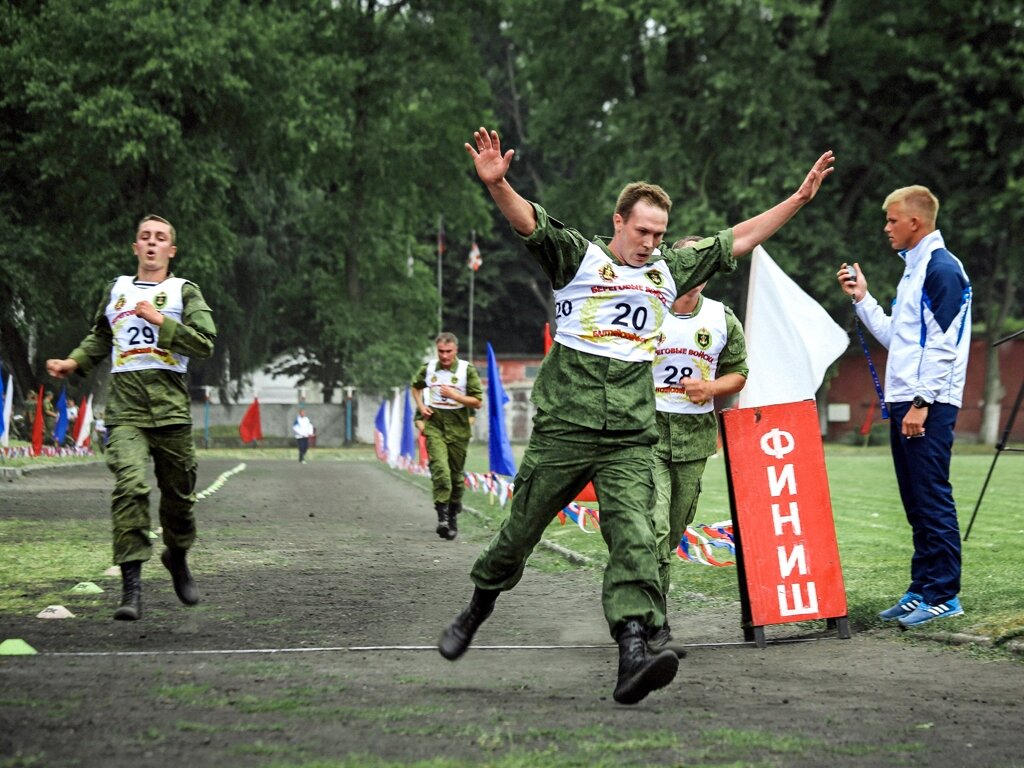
point(640, 670)
point(442, 519)
point(457, 637)
point(131, 592)
point(184, 586)
point(661, 640)
point(454, 508)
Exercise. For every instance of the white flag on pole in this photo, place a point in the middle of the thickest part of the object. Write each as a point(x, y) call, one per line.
point(86, 428)
point(395, 421)
point(8, 405)
point(791, 339)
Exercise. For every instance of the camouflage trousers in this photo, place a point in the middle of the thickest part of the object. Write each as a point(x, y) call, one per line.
point(554, 470)
point(174, 462)
point(678, 488)
point(447, 463)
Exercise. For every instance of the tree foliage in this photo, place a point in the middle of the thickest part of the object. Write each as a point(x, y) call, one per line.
point(307, 150)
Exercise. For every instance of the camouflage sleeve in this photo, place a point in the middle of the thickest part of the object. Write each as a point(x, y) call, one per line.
point(95, 347)
point(195, 334)
point(734, 357)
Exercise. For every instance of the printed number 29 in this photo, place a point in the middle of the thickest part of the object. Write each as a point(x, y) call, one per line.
point(629, 316)
point(148, 337)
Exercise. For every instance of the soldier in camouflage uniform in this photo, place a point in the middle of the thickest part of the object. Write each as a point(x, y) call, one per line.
point(702, 353)
point(595, 398)
point(150, 324)
point(446, 391)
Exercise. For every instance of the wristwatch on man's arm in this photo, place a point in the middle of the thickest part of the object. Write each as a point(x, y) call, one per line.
point(920, 402)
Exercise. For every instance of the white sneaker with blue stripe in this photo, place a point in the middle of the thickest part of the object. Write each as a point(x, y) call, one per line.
point(925, 613)
point(904, 607)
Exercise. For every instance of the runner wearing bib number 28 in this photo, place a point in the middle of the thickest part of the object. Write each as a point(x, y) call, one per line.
point(595, 417)
point(702, 353)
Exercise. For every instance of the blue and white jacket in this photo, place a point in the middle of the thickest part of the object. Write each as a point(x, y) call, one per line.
point(929, 333)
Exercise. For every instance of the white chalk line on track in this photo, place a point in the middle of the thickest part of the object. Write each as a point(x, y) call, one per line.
point(221, 479)
point(369, 648)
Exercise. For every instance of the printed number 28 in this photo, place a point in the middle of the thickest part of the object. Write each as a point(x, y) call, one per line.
point(673, 374)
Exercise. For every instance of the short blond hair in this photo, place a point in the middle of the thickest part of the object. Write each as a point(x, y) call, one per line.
point(162, 220)
point(633, 193)
point(917, 201)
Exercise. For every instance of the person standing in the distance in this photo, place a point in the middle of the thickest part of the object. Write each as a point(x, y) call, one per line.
point(447, 391)
point(303, 430)
point(928, 336)
point(150, 324)
point(595, 398)
point(702, 354)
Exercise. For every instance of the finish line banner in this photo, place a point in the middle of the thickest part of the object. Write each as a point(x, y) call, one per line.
point(786, 552)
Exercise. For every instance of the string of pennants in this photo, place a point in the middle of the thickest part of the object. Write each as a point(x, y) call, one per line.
point(705, 544)
point(25, 451)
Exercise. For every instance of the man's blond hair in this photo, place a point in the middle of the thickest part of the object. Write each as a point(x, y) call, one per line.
point(633, 193)
point(916, 201)
point(162, 220)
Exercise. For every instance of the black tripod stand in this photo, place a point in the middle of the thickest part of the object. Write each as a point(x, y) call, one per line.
point(1001, 445)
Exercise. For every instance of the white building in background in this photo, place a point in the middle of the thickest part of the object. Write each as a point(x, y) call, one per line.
point(279, 389)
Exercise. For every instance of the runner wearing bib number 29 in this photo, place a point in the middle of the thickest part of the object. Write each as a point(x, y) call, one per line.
point(149, 324)
point(595, 417)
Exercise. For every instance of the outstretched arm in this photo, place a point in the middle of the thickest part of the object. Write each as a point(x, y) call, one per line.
point(492, 166)
point(752, 232)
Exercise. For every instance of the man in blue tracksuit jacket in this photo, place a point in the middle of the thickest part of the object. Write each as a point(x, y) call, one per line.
point(928, 336)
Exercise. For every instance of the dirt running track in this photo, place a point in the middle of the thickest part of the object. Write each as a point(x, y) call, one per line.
point(335, 557)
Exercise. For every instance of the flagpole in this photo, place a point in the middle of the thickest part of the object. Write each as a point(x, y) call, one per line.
point(472, 280)
point(440, 252)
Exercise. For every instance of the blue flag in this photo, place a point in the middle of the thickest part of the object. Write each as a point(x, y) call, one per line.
point(60, 429)
point(380, 431)
point(408, 448)
point(499, 448)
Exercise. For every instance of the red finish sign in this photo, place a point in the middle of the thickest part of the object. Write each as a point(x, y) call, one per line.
point(782, 514)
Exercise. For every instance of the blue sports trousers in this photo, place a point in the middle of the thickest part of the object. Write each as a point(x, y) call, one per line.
point(922, 472)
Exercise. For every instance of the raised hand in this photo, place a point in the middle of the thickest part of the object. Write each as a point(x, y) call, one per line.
point(812, 183)
point(491, 165)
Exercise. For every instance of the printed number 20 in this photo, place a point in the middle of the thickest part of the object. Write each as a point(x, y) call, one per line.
point(638, 319)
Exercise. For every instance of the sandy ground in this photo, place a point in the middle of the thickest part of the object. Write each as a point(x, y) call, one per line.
point(318, 646)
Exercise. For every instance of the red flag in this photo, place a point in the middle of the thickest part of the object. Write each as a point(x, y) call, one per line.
point(37, 426)
point(442, 244)
point(865, 428)
point(547, 337)
point(251, 428)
